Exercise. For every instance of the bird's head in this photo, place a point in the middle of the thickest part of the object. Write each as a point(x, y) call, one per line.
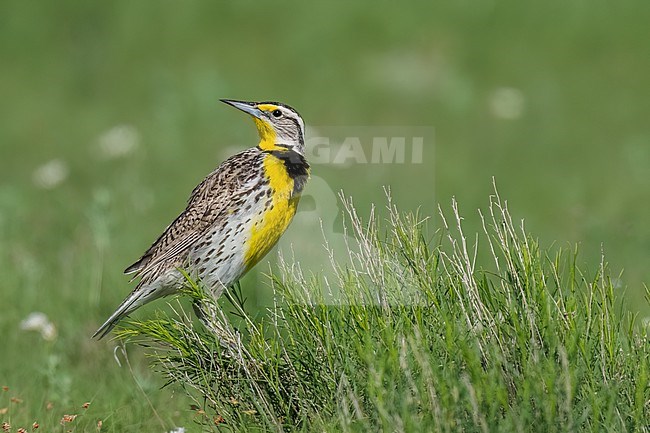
point(280, 126)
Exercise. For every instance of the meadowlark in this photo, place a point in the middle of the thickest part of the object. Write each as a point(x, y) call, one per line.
point(233, 217)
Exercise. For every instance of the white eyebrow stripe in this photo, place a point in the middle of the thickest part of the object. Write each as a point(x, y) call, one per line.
point(302, 125)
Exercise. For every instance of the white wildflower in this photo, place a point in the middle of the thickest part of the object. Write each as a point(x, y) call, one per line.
point(507, 103)
point(51, 174)
point(119, 141)
point(39, 322)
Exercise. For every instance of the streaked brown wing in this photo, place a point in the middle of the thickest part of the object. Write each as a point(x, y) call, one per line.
point(209, 202)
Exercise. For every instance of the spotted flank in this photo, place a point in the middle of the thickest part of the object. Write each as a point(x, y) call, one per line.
point(233, 217)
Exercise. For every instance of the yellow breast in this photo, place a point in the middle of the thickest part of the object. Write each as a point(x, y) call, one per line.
point(275, 219)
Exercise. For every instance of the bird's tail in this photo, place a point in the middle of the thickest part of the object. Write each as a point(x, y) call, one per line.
point(132, 302)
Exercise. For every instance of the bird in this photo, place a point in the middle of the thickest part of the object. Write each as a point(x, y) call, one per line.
point(233, 217)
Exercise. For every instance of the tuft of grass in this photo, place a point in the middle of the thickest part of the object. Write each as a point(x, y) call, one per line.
point(421, 337)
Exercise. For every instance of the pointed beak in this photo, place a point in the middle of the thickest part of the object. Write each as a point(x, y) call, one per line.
point(246, 107)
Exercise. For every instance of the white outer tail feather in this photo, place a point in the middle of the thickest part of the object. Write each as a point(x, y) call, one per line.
point(125, 308)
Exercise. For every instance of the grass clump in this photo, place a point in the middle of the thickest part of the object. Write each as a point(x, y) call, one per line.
point(414, 335)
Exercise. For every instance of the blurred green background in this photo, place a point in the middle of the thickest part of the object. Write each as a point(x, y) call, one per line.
point(109, 116)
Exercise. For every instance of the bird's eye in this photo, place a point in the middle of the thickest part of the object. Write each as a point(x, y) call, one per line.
point(276, 113)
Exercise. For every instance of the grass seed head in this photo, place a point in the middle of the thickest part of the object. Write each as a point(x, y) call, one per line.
point(67, 419)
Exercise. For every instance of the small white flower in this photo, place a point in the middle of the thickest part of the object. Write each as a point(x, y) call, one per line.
point(119, 141)
point(178, 430)
point(507, 103)
point(51, 174)
point(39, 322)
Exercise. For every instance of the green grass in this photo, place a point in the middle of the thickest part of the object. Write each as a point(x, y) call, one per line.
point(416, 335)
point(576, 163)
